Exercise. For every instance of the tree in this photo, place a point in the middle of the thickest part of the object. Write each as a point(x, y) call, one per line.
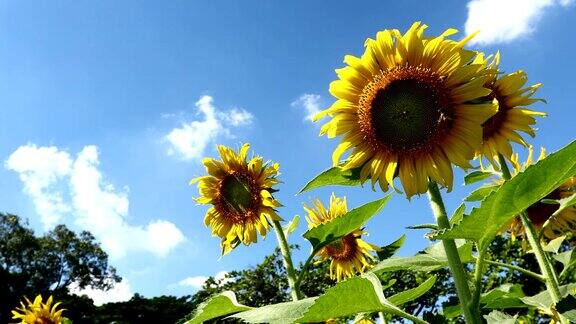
point(49, 264)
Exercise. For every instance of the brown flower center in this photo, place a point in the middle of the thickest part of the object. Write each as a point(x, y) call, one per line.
point(343, 249)
point(405, 110)
point(239, 195)
point(540, 212)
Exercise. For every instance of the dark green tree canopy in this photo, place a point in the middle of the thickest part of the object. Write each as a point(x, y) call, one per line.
point(47, 264)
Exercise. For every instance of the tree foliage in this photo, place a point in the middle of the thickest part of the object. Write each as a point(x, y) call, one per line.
point(47, 264)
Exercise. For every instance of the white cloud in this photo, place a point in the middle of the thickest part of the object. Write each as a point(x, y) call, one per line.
point(40, 169)
point(197, 282)
point(49, 174)
point(120, 292)
point(191, 139)
point(310, 103)
point(501, 21)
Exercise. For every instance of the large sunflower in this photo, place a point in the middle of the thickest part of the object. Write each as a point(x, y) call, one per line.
point(241, 195)
point(38, 312)
point(349, 254)
point(512, 116)
point(409, 107)
point(541, 214)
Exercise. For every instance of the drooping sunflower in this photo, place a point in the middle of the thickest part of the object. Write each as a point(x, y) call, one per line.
point(541, 214)
point(241, 194)
point(38, 312)
point(409, 107)
point(512, 116)
point(350, 254)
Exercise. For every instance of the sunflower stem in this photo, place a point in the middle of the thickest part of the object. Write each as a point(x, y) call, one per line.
point(454, 263)
point(478, 271)
point(532, 236)
point(517, 268)
point(304, 269)
point(285, 249)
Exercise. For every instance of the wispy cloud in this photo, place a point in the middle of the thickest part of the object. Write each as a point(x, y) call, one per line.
point(191, 139)
point(197, 282)
point(308, 102)
point(63, 188)
point(120, 292)
point(504, 21)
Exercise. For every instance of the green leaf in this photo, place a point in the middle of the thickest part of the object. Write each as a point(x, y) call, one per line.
point(292, 225)
point(434, 258)
point(565, 203)
point(544, 301)
point(343, 300)
point(567, 308)
point(458, 215)
point(568, 259)
point(281, 313)
point(390, 249)
point(505, 296)
point(476, 176)
point(514, 196)
point(66, 320)
point(219, 305)
point(496, 317)
point(340, 300)
point(481, 193)
point(554, 245)
point(334, 177)
point(411, 294)
point(326, 233)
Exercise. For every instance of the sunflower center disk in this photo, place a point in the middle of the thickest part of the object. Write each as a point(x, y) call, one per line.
point(406, 114)
point(342, 249)
point(236, 193)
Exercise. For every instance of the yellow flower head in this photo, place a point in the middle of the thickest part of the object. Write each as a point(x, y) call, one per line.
point(38, 312)
point(409, 107)
point(541, 213)
point(348, 255)
point(240, 193)
point(512, 116)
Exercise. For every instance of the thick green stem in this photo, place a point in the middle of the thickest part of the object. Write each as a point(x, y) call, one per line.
point(532, 237)
point(285, 249)
point(519, 269)
point(304, 270)
point(543, 262)
point(478, 272)
point(454, 262)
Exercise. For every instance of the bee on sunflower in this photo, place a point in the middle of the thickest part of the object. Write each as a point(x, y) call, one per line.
point(512, 116)
point(543, 215)
point(38, 312)
point(409, 107)
point(348, 255)
point(240, 193)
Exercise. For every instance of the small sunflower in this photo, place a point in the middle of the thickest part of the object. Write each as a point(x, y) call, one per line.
point(409, 107)
point(241, 194)
point(38, 312)
point(348, 255)
point(512, 116)
point(541, 213)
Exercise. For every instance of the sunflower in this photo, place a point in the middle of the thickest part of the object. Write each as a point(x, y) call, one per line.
point(409, 107)
point(240, 193)
point(512, 116)
point(38, 312)
point(349, 254)
point(541, 214)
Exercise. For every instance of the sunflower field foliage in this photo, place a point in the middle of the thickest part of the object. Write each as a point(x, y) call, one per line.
point(407, 113)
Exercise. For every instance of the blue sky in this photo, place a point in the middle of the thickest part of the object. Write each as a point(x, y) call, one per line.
point(107, 106)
